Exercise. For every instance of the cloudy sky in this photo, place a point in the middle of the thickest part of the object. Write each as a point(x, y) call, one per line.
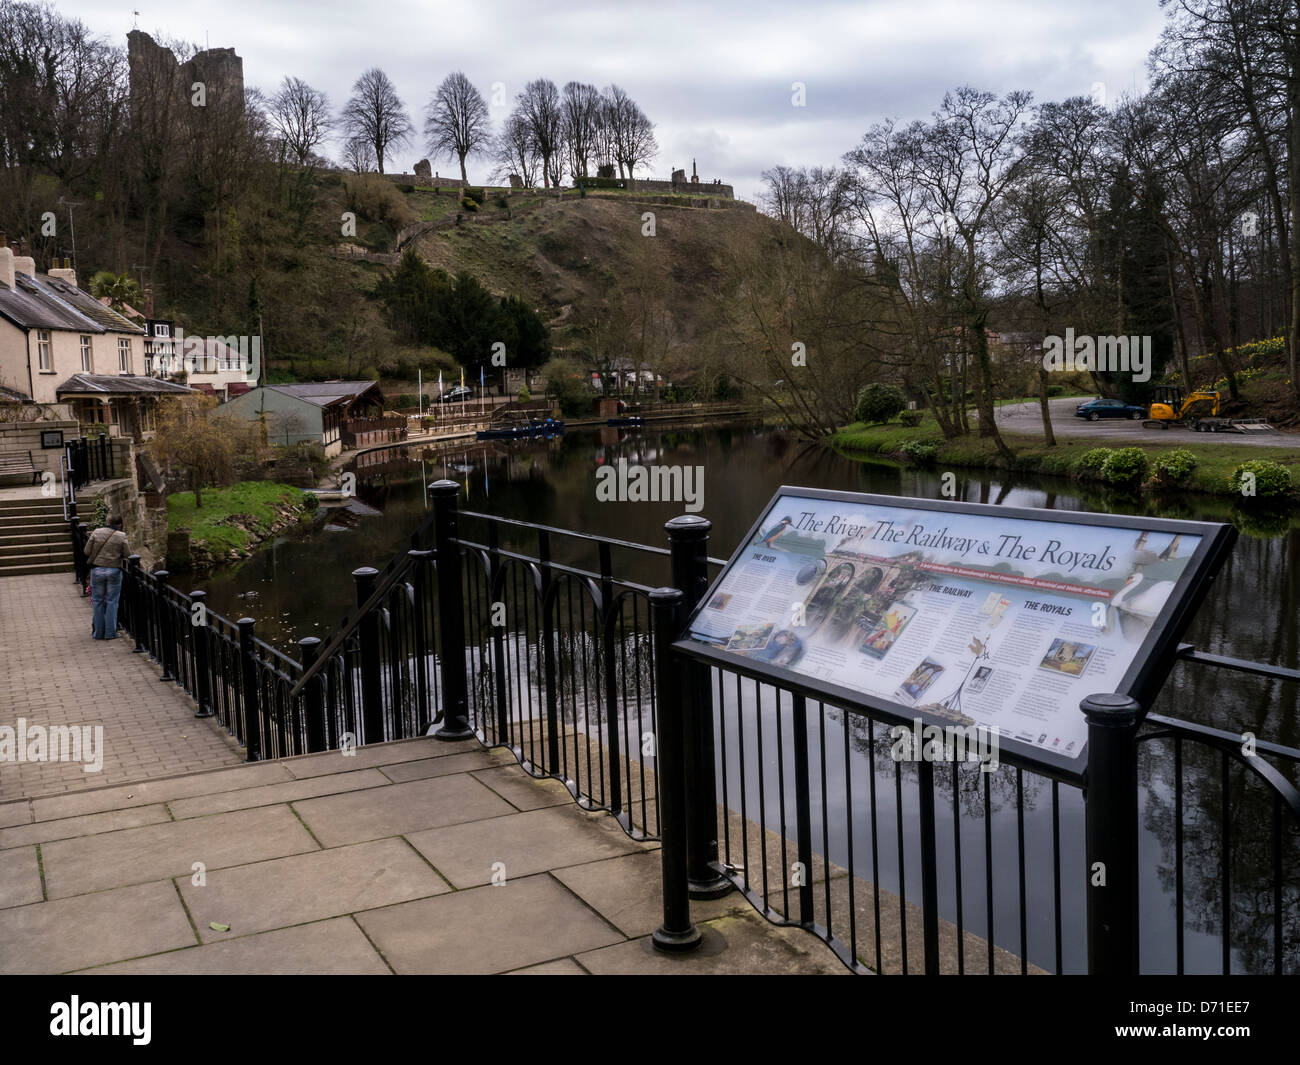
point(715, 78)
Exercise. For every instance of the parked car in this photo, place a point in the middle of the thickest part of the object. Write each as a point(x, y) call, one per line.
point(1108, 408)
point(455, 395)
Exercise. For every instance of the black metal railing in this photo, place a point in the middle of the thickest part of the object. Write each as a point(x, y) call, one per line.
point(537, 639)
point(90, 460)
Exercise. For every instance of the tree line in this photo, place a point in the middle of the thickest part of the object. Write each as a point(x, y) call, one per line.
point(1170, 214)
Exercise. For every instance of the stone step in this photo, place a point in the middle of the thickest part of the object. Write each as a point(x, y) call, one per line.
point(21, 526)
point(31, 506)
point(43, 534)
point(25, 569)
point(35, 552)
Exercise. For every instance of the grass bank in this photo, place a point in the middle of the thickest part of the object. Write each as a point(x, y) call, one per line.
point(235, 519)
point(1212, 473)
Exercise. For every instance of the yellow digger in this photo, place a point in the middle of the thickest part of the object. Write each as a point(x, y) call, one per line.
point(1197, 410)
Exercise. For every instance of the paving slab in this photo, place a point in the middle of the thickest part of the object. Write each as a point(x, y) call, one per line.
point(271, 794)
point(487, 929)
point(55, 674)
point(524, 843)
point(141, 793)
point(521, 790)
point(66, 934)
point(399, 809)
point(738, 944)
point(311, 765)
point(628, 893)
point(15, 813)
point(134, 855)
point(20, 878)
point(561, 967)
point(335, 947)
point(441, 767)
point(86, 825)
point(309, 887)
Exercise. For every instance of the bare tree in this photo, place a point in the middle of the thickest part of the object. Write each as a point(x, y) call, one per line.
point(456, 120)
point(300, 117)
point(634, 138)
point(582, 106)
point(359, 155)
point(515, 151)
point(376, 114)
point(539, 106)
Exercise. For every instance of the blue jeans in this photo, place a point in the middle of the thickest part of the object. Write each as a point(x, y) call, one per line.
point(105, 587)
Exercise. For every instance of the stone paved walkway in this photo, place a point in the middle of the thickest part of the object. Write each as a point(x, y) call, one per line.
point(53, 673)
point(381, 861)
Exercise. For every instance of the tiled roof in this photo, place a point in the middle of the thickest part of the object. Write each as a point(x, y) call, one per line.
point(44, 302)
point(126, 385)
point(325, 393)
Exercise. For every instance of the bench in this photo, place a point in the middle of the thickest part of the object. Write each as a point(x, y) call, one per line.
point(15, 465)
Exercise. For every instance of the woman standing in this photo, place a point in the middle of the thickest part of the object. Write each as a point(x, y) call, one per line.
point(106, 550)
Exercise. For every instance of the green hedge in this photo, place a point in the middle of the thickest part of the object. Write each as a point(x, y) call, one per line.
point(1272, 479)
point(1127, 466)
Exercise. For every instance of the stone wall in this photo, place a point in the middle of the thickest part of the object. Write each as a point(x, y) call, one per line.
point(21, 437)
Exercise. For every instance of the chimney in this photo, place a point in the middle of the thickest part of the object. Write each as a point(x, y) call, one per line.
point(23, 263)
point(64, 273)
point(7, 265)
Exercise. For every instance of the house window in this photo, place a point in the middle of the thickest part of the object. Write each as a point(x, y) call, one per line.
point(43, 358)
point(162, 330)
point(86, 363)
point(124, 354)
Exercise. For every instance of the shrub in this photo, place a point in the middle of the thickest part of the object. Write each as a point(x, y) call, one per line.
point(1090, 463)
point(878, 403)
point(468, 204)
point(524, 395)
point(1127, 466)
point(310, 502)
point(407, 400)
point(407, 187)
point(1173, 467)
point(1055, 390)
point(1272, 480)
point(919, 452)
point(377, 199)
point(911, 418)
point(502, 202)
point(475, 196)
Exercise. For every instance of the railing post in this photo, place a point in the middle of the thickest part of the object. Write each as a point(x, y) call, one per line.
point(166, 633)
point(498, 639)
point(252, 704)
point(135, 596)
point(610, 694)
point(676, 934)
point(81, 532)
point(313, 703)
point(929, 869)
point(451, 613)
point(372, 692)
point(420, 610)
point(802, 806)
point(1111, 818)
point(78, 553)
point(199, 632)
point(688, 540)
point(549, 665)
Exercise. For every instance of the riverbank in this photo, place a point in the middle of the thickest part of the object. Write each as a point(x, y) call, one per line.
point(1212, 474)
point(233, 521)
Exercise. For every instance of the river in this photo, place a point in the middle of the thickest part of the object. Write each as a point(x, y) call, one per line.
point(302, 586)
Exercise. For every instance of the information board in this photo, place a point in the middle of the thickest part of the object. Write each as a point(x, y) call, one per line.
point(959, 613)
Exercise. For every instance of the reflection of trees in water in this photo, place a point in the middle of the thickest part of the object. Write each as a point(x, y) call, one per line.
point(580, 679)
point(970, 780)
point(1251, 860)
